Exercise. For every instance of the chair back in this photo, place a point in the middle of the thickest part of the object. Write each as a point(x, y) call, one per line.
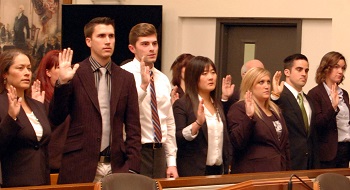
point(128, 181)
point(332, 181)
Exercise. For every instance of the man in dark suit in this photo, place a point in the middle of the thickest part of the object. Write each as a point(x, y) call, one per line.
point(86, 156)
point(302, 130)
point(21, 23)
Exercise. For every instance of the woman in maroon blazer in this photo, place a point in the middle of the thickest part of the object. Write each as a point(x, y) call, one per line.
point(257, 129)
point(201, 133)
point(332, 112)
point(24, 127)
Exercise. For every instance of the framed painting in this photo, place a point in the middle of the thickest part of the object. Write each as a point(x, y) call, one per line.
point(31, 25)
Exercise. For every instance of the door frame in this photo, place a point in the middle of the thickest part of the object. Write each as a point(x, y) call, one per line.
point(222, 27)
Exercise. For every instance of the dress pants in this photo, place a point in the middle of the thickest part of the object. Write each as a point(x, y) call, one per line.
point(153, 162)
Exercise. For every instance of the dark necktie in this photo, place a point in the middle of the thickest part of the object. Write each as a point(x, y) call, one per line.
point(155, 117)
point(103, 100)
point(303, 112)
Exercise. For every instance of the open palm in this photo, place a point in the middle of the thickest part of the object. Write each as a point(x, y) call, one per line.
point(66, 71)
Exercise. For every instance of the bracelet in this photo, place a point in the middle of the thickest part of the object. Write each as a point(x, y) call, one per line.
point(275, 94)
point(198, 123)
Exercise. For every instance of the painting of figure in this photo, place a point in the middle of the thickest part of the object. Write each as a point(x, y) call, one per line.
point(30, 25)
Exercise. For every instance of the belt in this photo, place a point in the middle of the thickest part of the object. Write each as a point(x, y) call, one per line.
point(152, 145)
point(104, 159)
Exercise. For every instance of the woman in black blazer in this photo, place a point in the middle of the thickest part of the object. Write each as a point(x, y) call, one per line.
point(24, 127)
point(256, 127)
point(201, 133)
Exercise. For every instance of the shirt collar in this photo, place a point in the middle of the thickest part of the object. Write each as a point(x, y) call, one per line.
point(294, 92)
point(95, 65)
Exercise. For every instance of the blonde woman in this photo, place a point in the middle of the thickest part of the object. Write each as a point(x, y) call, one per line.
point(256, 127)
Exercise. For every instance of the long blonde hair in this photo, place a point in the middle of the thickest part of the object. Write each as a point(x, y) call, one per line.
point(251, 78)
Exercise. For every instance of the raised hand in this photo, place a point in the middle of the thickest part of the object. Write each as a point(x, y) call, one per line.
point(37, 94)
point(145, 76)
point(200, 118)
point(174, 95)
point(14, 102)
point(277, 86)
point(200, 112)
point(249, 104)
point(334, 96)
point(66, 72)
point(227, 87)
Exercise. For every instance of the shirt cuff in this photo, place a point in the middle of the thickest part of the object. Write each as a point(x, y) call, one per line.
point(187, 133)
point(273, 97)
point(171, 161)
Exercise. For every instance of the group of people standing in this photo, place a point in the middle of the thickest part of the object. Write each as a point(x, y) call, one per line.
point(79, 119)
point(272, 125)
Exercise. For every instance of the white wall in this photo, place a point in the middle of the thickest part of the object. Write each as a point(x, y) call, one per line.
point(189, 25)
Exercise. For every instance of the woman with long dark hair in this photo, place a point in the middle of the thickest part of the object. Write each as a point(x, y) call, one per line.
point(201, 133)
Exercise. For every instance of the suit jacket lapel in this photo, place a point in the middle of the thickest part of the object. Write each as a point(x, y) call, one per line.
point(42, 118)
point(313, 116)
point(87, 80)
point(269, 125)
point(295, 106)
point(116, 89)
point(27, 126)
point(324, 95)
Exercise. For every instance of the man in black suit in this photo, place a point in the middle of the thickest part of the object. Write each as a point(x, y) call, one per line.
point(297, 110)
point(21, 23)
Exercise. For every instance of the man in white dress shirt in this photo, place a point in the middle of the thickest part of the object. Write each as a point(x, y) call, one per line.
point(158, 154)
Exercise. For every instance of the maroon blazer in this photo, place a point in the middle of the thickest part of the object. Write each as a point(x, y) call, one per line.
point(79, 99)
point(56, 144)
point(326, 122)
point(255, 142)
point(24, 159)
point(192, 155)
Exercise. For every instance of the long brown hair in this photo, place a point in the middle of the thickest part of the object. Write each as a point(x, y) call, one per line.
point(328, 62)
point(180, 62)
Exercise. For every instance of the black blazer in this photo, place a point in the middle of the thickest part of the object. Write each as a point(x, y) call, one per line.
point(192, 155)
point(326, 121)
point(303, 146)
point(257, 147)
point(24, 159)
point(82, 148)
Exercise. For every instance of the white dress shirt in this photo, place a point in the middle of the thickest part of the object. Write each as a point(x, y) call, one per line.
point(36, 125)
point(165, 111)
point(215, 136)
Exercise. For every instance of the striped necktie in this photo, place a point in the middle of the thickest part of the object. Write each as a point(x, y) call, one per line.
point(155, 116)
